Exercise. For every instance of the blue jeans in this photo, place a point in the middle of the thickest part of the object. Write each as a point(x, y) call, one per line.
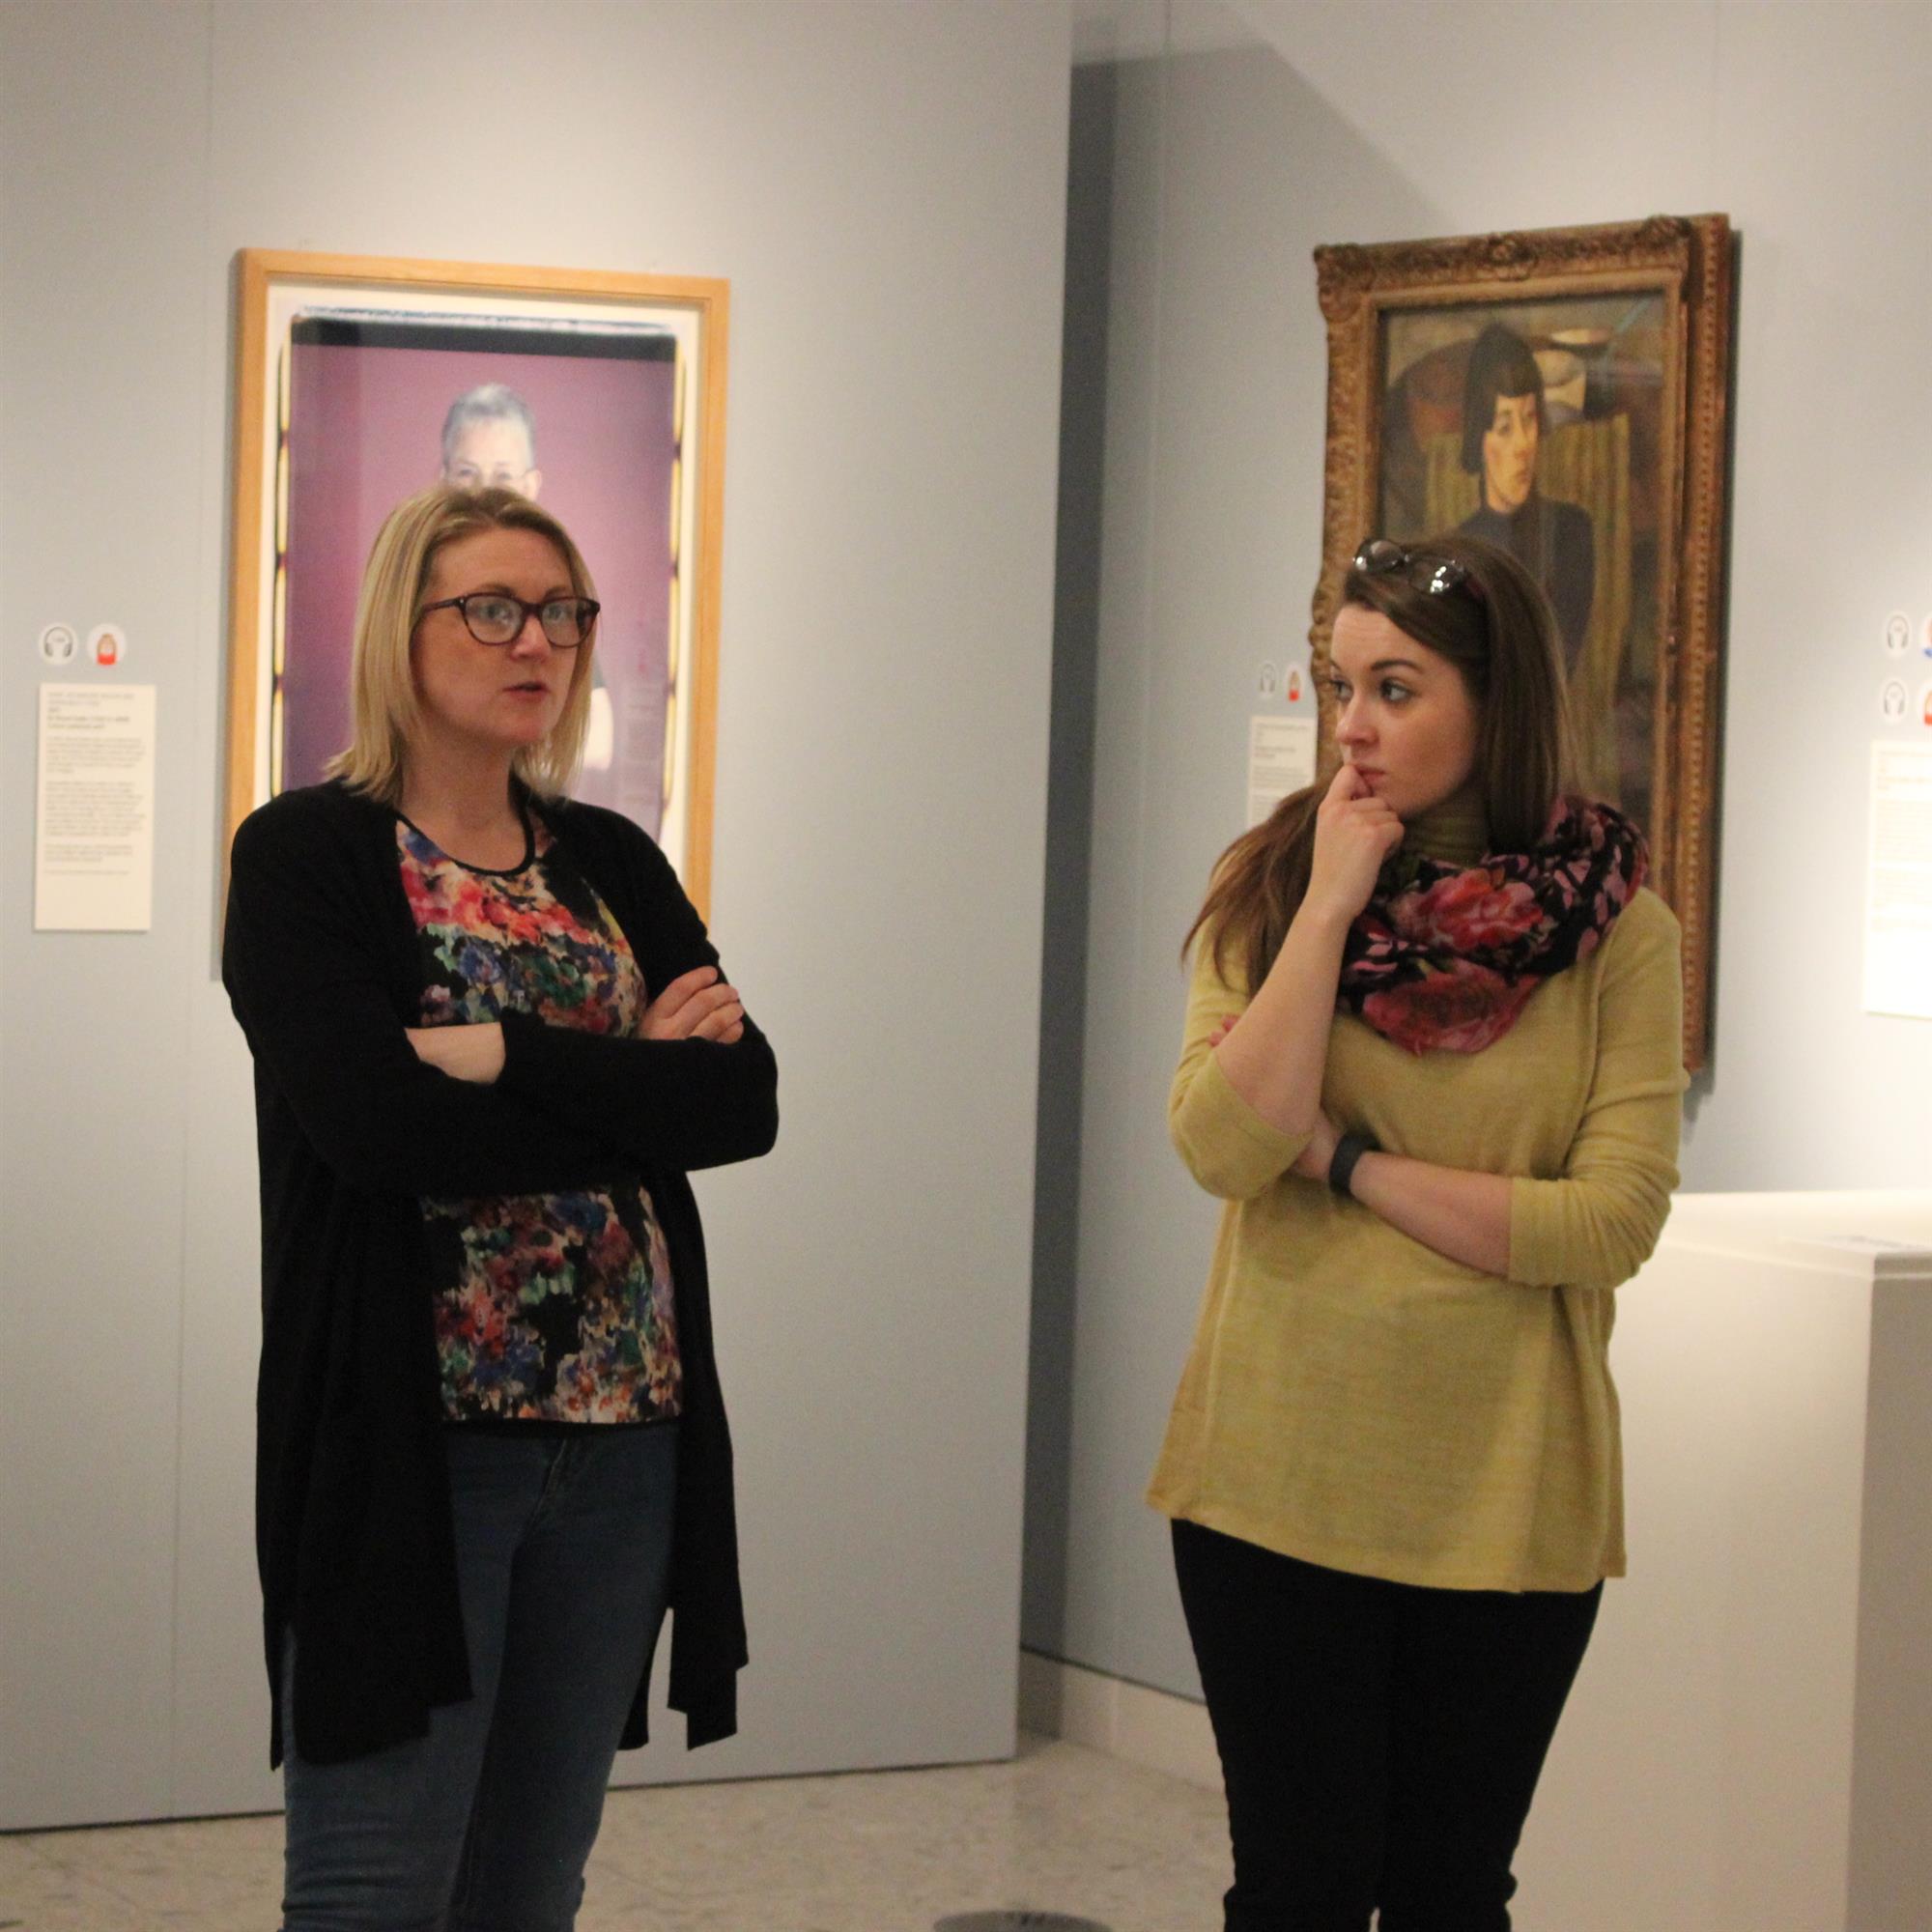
point(562, 1548)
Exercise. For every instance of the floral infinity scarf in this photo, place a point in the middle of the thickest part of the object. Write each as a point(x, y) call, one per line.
point(1446, 957)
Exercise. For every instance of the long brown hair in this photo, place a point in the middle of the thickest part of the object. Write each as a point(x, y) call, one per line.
point(1498, 630)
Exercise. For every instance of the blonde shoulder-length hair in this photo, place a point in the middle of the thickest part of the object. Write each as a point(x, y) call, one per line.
point(387, 711)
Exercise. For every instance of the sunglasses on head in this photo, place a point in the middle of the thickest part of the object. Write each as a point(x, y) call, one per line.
point(1380, 556)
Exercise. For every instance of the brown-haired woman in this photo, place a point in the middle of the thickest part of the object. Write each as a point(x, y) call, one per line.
point(1433, 1066)
point(490, 1038)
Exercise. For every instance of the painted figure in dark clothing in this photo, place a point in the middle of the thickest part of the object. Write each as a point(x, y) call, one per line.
point(1503, 436)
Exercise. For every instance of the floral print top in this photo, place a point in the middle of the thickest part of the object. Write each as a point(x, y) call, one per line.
point(550, 1308)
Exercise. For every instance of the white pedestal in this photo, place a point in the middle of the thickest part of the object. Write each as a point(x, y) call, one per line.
point(1749, 1745)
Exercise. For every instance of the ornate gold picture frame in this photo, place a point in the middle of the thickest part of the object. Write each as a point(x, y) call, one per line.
point(359, 380)
point(1564, 392)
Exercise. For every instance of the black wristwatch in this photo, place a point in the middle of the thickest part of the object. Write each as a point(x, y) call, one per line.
point(1348, 1150)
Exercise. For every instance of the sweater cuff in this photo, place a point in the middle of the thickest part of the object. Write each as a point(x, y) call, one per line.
point(1231, 1150)
point(1536, 1256)
point(1227, 1104)
point(1522, 1239)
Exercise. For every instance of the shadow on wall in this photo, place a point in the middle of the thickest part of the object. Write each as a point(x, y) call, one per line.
point(1070, 827)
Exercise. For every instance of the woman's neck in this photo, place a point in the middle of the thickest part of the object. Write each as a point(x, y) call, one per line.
point(1456, 831)
point(463, 800)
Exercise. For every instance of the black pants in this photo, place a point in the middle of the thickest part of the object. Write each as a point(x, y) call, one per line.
point(1381, 1743)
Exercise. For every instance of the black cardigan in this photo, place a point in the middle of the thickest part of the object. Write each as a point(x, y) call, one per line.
point(353, 1524)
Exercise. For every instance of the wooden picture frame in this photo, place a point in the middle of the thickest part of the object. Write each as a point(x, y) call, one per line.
point(360, 379)
point(1629, 325)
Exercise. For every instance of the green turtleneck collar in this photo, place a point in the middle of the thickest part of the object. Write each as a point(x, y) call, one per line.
point(1456, 831)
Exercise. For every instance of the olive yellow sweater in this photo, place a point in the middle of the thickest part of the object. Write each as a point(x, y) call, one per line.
point(1358, 1400)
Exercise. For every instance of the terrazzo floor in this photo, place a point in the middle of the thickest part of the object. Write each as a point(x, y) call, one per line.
point(1059, 1830)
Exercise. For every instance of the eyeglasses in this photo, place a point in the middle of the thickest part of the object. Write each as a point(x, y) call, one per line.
point(495, 617)
point(1381, 556)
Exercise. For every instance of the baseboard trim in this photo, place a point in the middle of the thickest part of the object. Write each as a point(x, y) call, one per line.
point(1153, 1729)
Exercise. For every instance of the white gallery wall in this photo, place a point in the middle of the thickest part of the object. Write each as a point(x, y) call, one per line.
point(882, 187)
point(1265, 130)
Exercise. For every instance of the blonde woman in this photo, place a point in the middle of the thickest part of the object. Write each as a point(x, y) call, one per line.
point(490, 1038)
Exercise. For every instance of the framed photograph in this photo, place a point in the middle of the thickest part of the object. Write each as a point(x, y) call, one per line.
point(362, 380)
point(1562, 392)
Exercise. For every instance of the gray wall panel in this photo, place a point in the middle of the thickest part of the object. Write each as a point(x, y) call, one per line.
point(103, 156)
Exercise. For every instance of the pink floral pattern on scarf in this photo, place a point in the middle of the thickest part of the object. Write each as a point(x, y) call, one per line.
point(1446, 957)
